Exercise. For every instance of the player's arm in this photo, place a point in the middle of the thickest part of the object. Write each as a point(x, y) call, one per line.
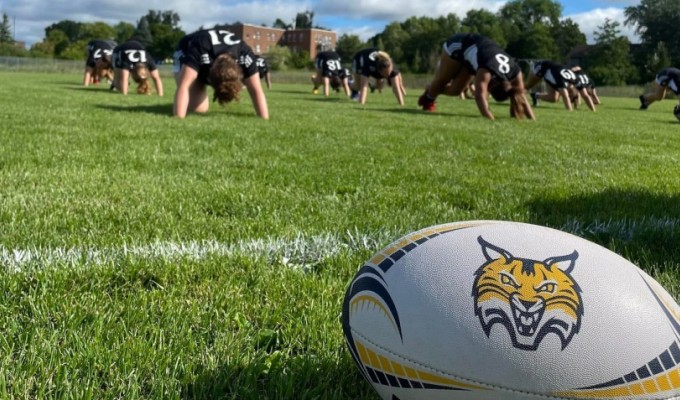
point(256, 93)
point(157, 82)
point(397, 89)
point(363, 89)
point(482, 80)
point(186, 77)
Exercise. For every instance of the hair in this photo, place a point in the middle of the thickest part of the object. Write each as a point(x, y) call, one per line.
point(225, 77)
point(103, 68)
point(518, 103)
point(140, 74)
point(382, 61)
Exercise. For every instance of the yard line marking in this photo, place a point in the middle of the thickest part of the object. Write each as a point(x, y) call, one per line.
point(301, 252)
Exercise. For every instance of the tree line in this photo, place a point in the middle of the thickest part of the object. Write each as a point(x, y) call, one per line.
point(527, 29)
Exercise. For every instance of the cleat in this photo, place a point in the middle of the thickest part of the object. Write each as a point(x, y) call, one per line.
point(643, 103)
point(426, 102)
point(534, 99)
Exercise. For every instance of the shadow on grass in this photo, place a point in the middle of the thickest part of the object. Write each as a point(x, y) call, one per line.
point(637, 224)
point(417, 111)
point(299, 377)
point(158, 109)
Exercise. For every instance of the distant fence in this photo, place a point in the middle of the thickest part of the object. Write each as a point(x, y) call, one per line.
point(40, 64)
point(411, 81)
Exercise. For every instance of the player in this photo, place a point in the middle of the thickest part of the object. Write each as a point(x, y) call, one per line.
point(560, 82)
point(344, 80)
point(474, 58)
point(372, 63)
point(131, 59)
point(328, 73)
point(667, 78)
point(584, 81)
point(218, 58)
point(263, 70)
point(98, 64)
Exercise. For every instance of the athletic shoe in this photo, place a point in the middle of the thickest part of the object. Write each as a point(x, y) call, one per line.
point(534, 99)
point(426, 102)
point(643, 103)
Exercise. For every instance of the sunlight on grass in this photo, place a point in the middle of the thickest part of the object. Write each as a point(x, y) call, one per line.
point(150, 257)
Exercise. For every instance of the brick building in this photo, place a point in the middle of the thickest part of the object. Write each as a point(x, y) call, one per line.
point(262, 38)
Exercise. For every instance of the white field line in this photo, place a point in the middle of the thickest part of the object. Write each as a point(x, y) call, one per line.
point(302, 252)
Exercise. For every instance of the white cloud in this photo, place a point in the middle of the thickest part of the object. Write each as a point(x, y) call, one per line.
point(399, 10)
point(33, 16)
point(589, 22)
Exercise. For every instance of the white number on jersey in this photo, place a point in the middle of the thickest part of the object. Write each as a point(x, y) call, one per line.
point(136, 56)
point(503, 63)
point(333, 65)
point(222, 37)
point(568, 75)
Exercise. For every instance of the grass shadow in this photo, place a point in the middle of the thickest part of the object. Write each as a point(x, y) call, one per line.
point(298, 377)
point(157, 109)
point(637, 224)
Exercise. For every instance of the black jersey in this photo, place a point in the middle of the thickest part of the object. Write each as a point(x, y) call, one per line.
point(555, 75)
point(262, 66)
point(199, 50)
point(96, 49)
point(669, 77)
point(329, 63)
point(583, 81)
point(477, 51)
point(131, 53)
point(364, 64)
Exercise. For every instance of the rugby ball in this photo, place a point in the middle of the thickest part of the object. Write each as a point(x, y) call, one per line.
point(505, 311)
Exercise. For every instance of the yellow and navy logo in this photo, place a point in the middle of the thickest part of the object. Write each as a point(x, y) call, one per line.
point(529, 298)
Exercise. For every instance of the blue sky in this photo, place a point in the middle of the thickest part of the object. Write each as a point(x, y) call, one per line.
point(364, 18)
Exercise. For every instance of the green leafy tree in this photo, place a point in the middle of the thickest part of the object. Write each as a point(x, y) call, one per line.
point(281, 25)
point(657, 21)
point(70, 29)
point(123, 31)
point(6, 30)
point(524, 21)
point(485, 23)
point(142, 32)
point(304, 20)
point(609, 63)
point(567, 35)
point(97, 30)
point(347, 46)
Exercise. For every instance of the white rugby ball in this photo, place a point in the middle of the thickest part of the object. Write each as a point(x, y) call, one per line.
point(505, 310)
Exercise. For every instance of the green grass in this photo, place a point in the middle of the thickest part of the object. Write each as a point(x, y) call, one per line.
point(150, 257)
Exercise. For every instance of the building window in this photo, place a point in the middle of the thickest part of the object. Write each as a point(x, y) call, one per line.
point(257, 48)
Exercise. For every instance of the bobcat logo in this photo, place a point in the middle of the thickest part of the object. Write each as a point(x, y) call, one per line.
point(530, 298)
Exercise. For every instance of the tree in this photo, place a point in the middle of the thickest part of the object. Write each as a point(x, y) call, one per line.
point(522, 22)
point(304, 20)
point(123, 31)
point(281, 25)
point(347, 46)
point(485, 23)
point(609, 63)
point(6, 30)
point(97, 30)
point(657, 21)
point(71, 29)
point(567, 35)
point(142, 32)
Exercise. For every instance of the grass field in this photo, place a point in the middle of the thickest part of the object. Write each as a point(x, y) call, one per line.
point(149, 257)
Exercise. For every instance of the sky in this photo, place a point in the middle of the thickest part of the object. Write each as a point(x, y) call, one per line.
point(364, 18)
